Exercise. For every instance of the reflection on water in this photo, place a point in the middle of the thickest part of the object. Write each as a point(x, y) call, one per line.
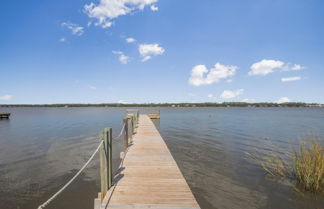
point(42, 148)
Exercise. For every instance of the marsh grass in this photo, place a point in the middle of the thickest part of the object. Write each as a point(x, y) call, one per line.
point(303, 168)
point(308, 166)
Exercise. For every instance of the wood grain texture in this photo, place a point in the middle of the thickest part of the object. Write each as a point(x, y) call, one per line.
point(150, 177)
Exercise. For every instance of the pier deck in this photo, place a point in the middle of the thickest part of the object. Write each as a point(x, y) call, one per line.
point(4, 115)
point(149, 176)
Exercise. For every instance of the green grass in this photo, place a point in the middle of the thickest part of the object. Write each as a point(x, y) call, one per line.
point(303, 167)
point(308, 166)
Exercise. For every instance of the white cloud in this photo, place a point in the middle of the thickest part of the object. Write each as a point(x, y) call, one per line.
point(146, 58)
point(106, 25)
point(297, 67)
point(154, 8)
point(149, 50)
point(76, 29)
point(130, 40)
point(218, 72)
point(296, 78)
point(122, 57)
point(121, 102)
point(283, 100)
point(210, 96)
point(6, 97)
point(107, 10)
point(63, 39)
point(92, 87)
point(228, 94)
point(265, 67)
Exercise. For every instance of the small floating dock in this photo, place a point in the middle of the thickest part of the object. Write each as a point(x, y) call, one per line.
point(5, 115)
point(149, 176)
point(153, 113)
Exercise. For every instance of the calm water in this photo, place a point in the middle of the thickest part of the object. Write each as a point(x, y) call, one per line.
point(41, 148)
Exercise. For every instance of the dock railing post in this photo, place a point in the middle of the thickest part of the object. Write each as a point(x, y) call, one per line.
point(106, 161)
point(126, 133)
point(132, 127)
point(134, 123)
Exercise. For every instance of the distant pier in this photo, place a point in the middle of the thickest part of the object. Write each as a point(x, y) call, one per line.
point(5, 115)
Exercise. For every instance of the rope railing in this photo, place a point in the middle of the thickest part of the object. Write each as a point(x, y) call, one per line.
point(72, 179)
point(102, 142)
point(120, 133)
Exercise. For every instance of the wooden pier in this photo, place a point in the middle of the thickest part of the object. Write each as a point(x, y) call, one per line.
point(154, 113)
point(148, 176)
point(4, 115)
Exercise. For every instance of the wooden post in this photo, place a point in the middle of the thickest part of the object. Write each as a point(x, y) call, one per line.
point(106, 161)
point(132, 127)
point(126, 133)
point(134, 123)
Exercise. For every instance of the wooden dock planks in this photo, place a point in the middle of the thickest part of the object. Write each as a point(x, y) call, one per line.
point(150, 177)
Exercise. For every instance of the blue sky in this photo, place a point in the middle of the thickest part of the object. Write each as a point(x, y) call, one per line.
point(77, 51)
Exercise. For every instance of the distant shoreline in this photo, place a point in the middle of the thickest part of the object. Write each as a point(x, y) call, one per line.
point(207, 104)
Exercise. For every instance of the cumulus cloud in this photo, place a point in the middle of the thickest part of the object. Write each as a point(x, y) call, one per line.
point(122, 57)
point(107, 10)
point(214, 75)
point(283, 100)
point(210, 96)
point(149, 50)
point(228, 94)
point(75, 29)
point(130, 40)
point(154, 8)
point(264, 67)
point(6, 97)
point(288, 79)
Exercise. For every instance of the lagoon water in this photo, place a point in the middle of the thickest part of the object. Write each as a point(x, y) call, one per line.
point(41, 148)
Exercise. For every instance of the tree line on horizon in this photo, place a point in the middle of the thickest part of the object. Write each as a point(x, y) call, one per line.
point(204, 104)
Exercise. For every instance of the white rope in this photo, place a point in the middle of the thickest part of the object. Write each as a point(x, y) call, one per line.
point(78, 173)
point(72, 179)
point(121, 132)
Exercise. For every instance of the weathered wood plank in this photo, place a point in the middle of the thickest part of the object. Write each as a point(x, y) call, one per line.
point(150, 177)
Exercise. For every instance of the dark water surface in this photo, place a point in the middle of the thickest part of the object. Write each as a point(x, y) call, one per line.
point(42, 148)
